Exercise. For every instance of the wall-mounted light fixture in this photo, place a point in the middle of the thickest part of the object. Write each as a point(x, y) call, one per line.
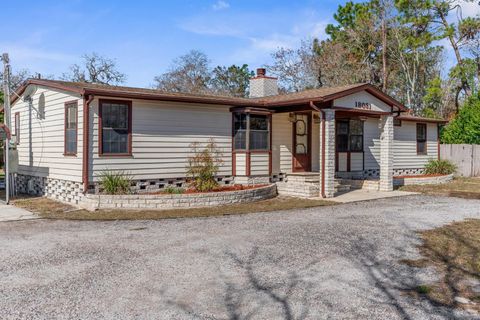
point(316, 118)
point(292, 117)
point(363, 118)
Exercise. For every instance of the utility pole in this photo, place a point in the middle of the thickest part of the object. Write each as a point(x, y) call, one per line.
point(6, 120)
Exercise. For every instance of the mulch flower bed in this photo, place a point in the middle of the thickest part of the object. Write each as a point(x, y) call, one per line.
point(234, 187)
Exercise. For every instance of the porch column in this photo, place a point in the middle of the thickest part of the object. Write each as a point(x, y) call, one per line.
point(328, 152)
point(386, 153)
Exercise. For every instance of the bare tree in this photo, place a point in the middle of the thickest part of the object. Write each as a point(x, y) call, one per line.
point(297, 69)
point(95, 69)
point(336, 66)
point(17, 78)
point(188, 73)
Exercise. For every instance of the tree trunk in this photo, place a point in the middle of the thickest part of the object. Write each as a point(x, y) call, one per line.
point(456, 49)
point(384, 51)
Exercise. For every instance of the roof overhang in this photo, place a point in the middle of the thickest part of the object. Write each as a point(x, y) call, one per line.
point(4, 128)
point(420, 119)
point(360, 112)
point(328, 98)
point(322, 102)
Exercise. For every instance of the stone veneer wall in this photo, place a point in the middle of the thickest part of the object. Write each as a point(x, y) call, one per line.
point(56, 189)
point(176, 201)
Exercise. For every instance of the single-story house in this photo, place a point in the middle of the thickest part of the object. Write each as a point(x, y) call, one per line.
point(68, 133)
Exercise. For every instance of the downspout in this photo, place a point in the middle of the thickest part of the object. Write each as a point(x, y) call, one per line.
point(322, 184)
point(87, 99)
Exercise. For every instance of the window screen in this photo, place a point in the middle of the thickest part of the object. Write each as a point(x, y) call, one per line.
point(115, 127)
point(71, 127)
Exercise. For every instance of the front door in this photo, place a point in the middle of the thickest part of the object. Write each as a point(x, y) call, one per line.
point(302, 154)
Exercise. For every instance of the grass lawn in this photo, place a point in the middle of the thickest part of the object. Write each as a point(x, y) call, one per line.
point(47, 208)
point(454, 251)
point(460, 187)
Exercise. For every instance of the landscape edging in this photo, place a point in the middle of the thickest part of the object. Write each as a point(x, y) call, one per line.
point(176, 201)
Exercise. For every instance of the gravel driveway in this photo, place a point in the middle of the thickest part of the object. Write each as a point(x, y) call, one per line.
point(320, 263)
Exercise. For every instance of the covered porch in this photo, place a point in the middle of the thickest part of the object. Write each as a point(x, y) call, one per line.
point(352, 149)
point(320, 150)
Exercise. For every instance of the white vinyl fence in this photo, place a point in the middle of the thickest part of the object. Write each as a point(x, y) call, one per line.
point(465, 156)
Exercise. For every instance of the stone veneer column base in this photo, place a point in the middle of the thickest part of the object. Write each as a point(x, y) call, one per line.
point(329, 169)
point(386, 153)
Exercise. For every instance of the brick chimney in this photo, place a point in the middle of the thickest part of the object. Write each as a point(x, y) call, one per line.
point(263, 86)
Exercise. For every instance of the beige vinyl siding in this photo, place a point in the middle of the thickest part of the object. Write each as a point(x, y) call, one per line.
point(342, 161)
point(162, 134)
point(405, 146)
point(363, 96)
point(281, 143)
point(371, 143)
point(259, 163)
point(41, 151)
point(356, 162)
point(241, 164)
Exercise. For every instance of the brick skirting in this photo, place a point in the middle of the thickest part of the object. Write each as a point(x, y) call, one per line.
point(57, 189)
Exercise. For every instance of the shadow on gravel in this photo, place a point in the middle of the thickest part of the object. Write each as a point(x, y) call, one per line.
point(398, 283)
point(290, 293)
point(256, 293)
point(262, 289)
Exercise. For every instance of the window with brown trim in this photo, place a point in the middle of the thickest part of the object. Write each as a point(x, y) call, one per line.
point(115, 127)
point(349, 135)
point(421, 138)
point(71, 128)
point(251, 132)
point(17, 127)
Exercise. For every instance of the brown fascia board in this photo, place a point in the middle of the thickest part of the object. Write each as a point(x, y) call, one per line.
point(160, 97)
point(370, 89)
point(208, 100)
point(367, 87)
point(420, 119)
point(132, 95)
point(50, 84)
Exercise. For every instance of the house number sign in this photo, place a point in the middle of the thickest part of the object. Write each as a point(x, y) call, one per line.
point(363, 105)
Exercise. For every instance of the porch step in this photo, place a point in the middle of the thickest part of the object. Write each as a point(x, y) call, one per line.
point(300, 184)
point(341, 186)
point(307, 177)
point(372, 185)
point(295, 189)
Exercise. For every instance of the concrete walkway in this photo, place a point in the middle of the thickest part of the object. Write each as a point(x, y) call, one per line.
point(11, 213)
point(363, 195)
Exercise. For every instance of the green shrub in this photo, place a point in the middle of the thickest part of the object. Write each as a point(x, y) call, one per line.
point(423, 289)
point(440, 167)
point(115, 182)
point(173, 190)
point(203, 166)
point(465, 127)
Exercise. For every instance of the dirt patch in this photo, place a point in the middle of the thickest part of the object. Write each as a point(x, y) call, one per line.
point(454, 251)
point(467, 188)
point(50, 209)
point(418, 176)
